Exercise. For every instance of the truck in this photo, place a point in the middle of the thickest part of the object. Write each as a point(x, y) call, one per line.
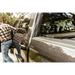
point(42, 38)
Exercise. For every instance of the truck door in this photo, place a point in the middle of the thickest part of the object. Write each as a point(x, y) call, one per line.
point(43, 52)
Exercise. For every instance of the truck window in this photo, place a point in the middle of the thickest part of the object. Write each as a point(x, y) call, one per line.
point(57, 23)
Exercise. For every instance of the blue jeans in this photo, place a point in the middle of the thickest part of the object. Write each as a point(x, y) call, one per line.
point(5, 49)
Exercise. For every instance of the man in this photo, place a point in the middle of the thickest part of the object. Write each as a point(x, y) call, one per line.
point(6, 41)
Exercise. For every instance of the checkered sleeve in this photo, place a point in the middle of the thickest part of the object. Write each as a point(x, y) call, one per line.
point(2, 35)
point(20, 30)
point(12, 28)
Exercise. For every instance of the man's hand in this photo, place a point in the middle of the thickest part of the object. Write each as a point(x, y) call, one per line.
point(20, 30)
point(19, 58)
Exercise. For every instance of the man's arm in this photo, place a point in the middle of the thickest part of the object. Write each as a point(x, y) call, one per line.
point(18, 30)
point(12, 28)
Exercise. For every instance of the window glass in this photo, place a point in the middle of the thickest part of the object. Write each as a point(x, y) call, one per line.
point(57, 23)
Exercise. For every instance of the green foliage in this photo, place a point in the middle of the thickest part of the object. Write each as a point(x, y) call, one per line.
point(12, 21)
point(33, 55)
point(57, 26)
point(5, 18)
point(26, 20)
point(37, 56)
point(24, 24)
point(8, 18)
point(62, 23)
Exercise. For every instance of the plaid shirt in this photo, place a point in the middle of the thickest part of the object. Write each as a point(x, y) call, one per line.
point(5, 32)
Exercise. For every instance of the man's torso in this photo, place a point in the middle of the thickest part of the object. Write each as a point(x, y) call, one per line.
point(5, 32)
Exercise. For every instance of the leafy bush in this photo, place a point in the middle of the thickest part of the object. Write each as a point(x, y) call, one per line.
point(63, 23)
point(8, 19)
point(12, 21)
point(5, 18)
point(24, 23)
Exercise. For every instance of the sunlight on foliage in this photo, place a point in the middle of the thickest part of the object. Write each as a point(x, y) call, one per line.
point(7, 18)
